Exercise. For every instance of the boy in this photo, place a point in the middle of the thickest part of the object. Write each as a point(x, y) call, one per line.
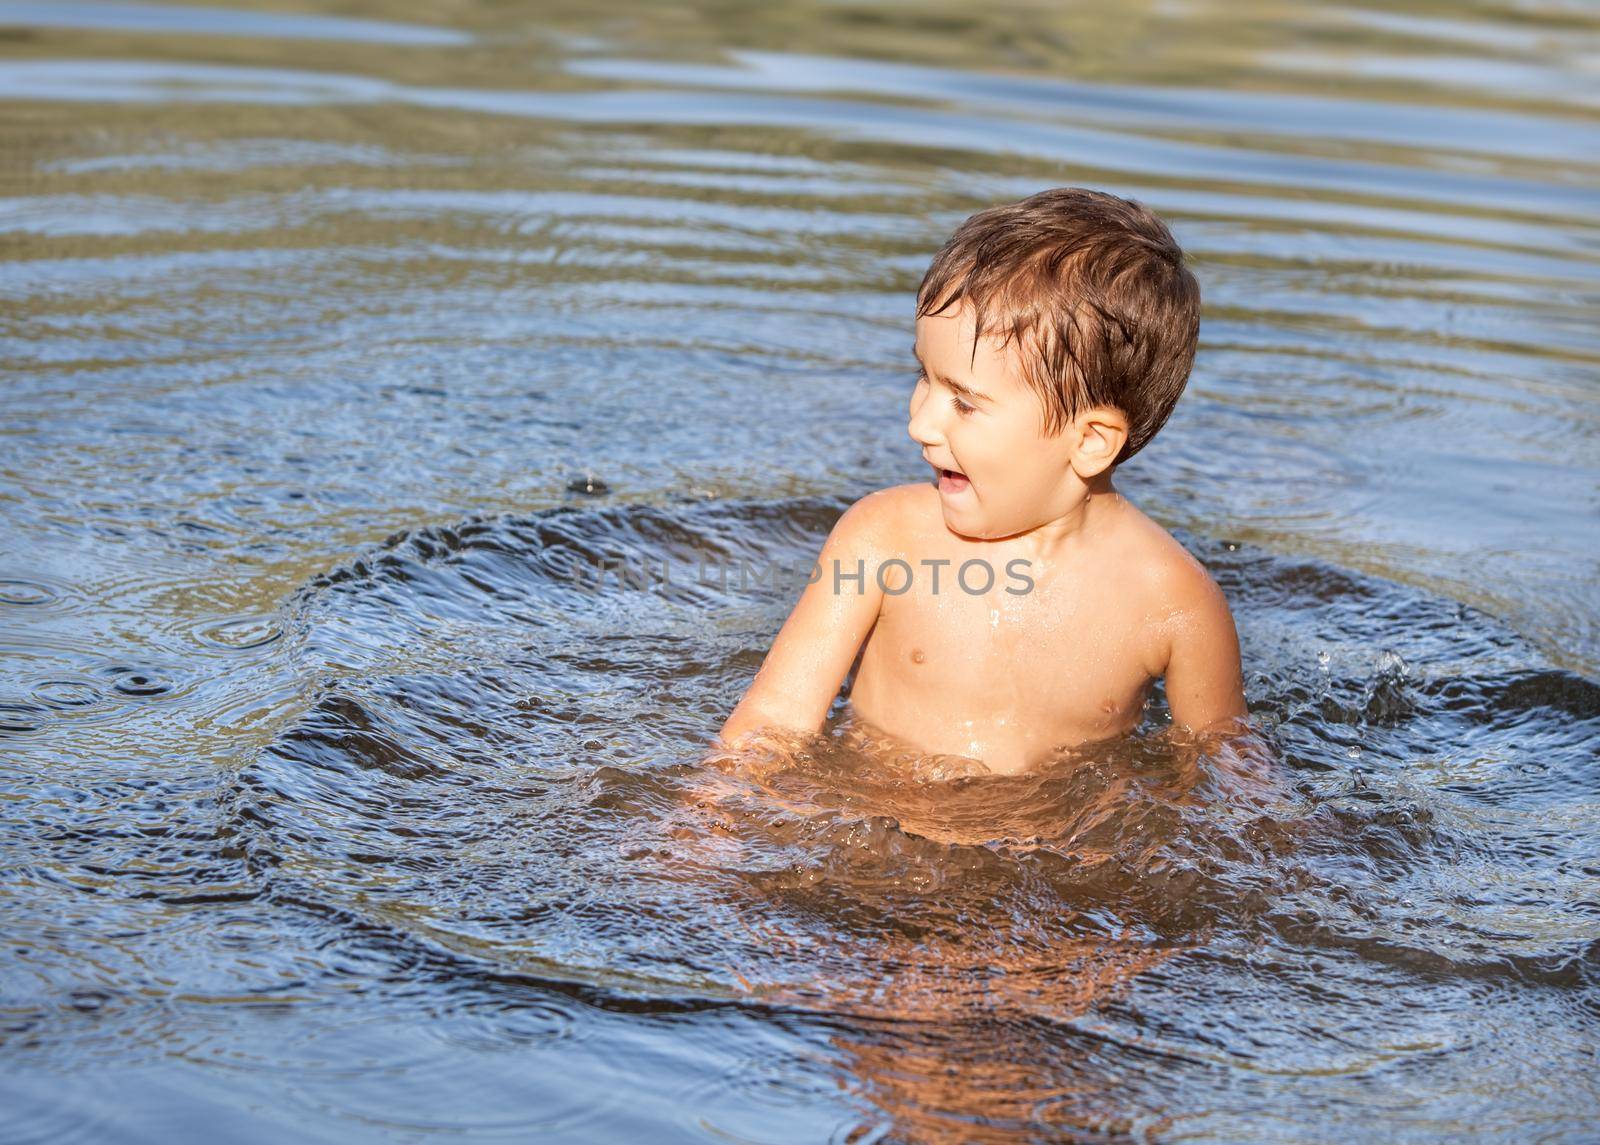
point(1017, 604)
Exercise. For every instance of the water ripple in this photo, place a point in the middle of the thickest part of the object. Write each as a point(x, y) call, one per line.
point(313, 834)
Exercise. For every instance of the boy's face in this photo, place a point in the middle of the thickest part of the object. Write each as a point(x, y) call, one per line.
point(978, 417)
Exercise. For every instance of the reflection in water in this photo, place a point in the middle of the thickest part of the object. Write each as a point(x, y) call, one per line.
point(313, 834)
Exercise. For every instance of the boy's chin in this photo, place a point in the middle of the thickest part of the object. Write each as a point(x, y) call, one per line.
point(965, 524)
point(974, 526)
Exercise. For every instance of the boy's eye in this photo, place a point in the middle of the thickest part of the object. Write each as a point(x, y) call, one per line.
point(961, 407)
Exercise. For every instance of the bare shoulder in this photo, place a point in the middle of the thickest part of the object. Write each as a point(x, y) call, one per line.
point(1157, 558)
point(1179, 592)
point(1193, 643)
point(886, 520)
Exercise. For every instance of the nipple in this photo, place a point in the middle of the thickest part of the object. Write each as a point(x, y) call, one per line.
point(916, 656)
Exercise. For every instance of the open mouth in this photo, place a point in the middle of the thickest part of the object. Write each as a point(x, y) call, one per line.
point(952, 481)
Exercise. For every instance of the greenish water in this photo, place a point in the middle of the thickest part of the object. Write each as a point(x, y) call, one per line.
point(332, 810)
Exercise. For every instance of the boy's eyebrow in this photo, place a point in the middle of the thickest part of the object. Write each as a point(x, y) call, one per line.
point(964, 391)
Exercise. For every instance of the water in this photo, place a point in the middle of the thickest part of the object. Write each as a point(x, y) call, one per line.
point(336, 807)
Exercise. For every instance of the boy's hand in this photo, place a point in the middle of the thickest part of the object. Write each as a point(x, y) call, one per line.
point(814, 649)
point(726, 772)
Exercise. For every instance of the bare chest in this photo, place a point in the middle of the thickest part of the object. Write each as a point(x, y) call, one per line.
point(1001, 670)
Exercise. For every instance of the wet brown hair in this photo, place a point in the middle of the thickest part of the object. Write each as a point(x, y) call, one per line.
point(1093, 290)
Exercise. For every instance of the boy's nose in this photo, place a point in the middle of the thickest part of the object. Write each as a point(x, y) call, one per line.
point(923, 428)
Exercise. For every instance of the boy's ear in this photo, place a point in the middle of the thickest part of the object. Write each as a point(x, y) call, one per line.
point(1102, 432)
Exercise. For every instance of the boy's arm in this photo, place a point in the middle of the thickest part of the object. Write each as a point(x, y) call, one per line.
point(1204, 680)
point(817, 644)
point(1205, 690)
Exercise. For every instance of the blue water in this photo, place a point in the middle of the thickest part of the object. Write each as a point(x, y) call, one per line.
point(333, 809)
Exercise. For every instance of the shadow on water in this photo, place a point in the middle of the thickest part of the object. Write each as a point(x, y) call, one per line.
point(505, 774)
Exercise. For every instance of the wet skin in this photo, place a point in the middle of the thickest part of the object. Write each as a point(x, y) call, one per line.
point(1076, 603)
point(1006, 676)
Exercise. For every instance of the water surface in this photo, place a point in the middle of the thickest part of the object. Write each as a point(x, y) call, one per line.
point(337, 808)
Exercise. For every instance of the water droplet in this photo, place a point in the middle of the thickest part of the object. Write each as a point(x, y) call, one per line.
point(1391, 664)
point(139, 681)
point(25, 593)
point(65, 694)
point(245, 632)
point(17, 719)
point(588, 484)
